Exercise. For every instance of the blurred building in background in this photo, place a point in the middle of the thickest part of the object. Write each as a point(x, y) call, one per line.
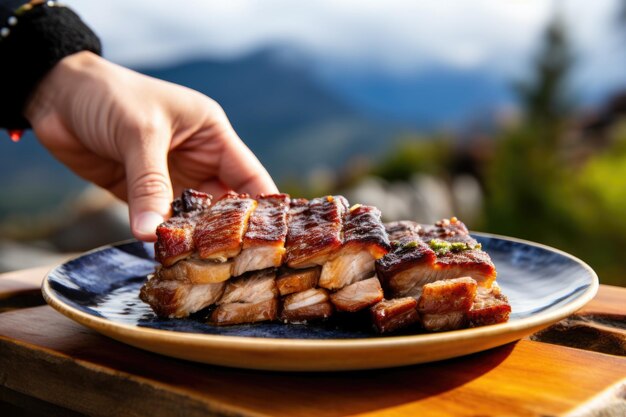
point(510, 115)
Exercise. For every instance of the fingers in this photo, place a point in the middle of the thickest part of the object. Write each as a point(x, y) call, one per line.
point(240, 169)
point(148, 183)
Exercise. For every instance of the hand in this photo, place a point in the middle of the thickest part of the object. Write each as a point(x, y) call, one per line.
point(143, 139)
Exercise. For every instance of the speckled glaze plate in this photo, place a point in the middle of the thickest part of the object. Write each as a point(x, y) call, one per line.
point(99, 289)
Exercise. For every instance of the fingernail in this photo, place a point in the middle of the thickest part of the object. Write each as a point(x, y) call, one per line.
point(146, 223)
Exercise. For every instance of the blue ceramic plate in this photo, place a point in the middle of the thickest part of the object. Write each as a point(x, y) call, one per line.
point(99, 289)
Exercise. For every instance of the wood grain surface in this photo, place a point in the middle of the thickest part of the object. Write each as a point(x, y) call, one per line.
point(51, 359)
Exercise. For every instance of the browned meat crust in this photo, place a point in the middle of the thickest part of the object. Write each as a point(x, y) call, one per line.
point(358, 296)
point(392, 315)
point(444, 304)
point(264, 241)
point(219, 231)
point(402, 228)
point(314, 230)
point(290, 281)
point(312, 304)
point(489, 307)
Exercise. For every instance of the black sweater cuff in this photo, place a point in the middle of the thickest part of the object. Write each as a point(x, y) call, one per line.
point(41, 37)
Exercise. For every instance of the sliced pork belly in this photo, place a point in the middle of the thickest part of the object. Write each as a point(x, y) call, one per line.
point(197, 271)
point(248, 299)
point(490, 307)
point(364, 241)
point(306, 305)
point(255, 287)
point(444, 304)
point(219, 231)
point(392, 315)
point(358, 296)
point(458, 254)
point(314, 230)
point(405, 269)
point(171, 298)
point(290, 281)
point(402, 228)
point(175, 236)
point(241, 313)
point(264, 241)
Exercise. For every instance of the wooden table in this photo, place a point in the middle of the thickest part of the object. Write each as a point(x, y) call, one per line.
point(51, 366)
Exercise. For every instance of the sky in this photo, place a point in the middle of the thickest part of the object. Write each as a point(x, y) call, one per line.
point(393, 36)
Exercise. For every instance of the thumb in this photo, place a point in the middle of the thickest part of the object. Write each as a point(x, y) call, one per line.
point(149, 186)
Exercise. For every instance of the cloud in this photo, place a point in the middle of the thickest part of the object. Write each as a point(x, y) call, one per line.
point(392, 35)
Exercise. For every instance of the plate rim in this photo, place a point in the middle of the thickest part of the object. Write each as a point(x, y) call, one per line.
point(539, 320)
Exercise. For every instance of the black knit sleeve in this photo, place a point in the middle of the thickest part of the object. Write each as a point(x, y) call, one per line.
point(31, 43)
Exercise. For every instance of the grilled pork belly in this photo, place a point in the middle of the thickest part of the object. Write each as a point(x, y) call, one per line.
point(314, 230)
point(402, 228)
point(219, 231)
point(391, 315)
point(297, 280)
point(444, 304)
point(358, 296)
point(197, 271)
point(175, 236)
point(306, 305)
point(364, 241)
point(264, 241)
point(171, 298)
point(458, 254)
point(248, 299)
point(405, 269)
point(490, 307)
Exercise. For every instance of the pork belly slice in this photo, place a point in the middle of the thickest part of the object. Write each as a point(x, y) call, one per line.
point(444, 304)
point(314, 230)
point(409, 265)
point(252, 288)
point(175, 236)
point(171, 298)
point(241, 313)
point(358, 296)
point(197, 271)
point(306, 305)
point(290, 281)
point(219, 231)
point(264, 241)
point(392, 315)
point(364, 241)
point(402, 228)
point(490, 307)
point(458, 254)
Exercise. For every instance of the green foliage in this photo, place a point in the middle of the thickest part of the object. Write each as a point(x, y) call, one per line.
point(415, 155)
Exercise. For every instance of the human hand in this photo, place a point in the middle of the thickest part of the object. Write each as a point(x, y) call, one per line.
point(143, 139)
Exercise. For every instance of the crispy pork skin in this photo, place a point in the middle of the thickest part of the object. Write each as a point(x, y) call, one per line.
point(197, 271)
point(171, 298)
point(392, 315)
point(402, 228)
point(358, 296)
point(175, 236)
point(241, 313)
point(264, 241)
point(364, 241)
point(297, 280)
point(306, 305)
point(405, 269)
point(490, 307)
point(443, 305)
point(314, 230)
point(219, 231)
